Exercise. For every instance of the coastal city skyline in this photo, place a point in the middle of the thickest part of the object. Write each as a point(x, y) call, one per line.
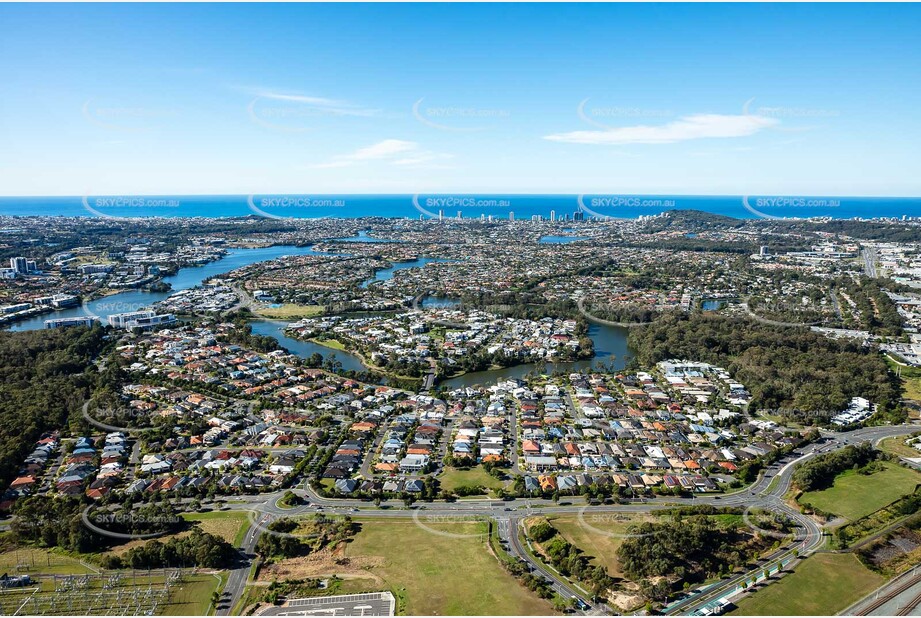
point(182, 99)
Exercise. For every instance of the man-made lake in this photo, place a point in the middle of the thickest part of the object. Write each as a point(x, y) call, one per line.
point(436, 302)
point(304, 349)
point(362, 236)
point(560, 240)
point(609, 340)
point(385, 274)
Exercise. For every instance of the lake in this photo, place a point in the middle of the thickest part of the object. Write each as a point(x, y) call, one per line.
point(385, 274)
point(437, 302)
point(304, 349)
point(560, 240)
point(608, 340)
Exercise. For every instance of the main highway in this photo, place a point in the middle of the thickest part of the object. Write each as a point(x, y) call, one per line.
point(765, 494)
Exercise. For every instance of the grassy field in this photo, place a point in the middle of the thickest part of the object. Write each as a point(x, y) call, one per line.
point(101, 593)
point(193, 598)
point(289, 311)
point(229, 525)
point(428, 572)
point(443, 575)
point(823, 584)
point(855, 495)
point(897, 446)
point(454, 478)
point(335, 344)
point(911, 379)
point(35, 560)
point(602, 549)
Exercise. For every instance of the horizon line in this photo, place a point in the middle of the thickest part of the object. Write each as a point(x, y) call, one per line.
point(488, 193)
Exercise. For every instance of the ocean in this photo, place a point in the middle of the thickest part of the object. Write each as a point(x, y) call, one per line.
point(469, 206)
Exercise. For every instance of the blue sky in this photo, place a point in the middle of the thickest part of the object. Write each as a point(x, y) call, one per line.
point(349, 98)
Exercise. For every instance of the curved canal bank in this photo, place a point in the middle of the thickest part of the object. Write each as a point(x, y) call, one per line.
point(610, 349)
point(610, 342)
point(302, 348)
point(184, 279)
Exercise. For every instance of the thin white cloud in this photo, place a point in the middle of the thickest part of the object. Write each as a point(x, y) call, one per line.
point(384, 149)
point(319, 105)
point(697, 126)
point(422, 158)
point(392, 151)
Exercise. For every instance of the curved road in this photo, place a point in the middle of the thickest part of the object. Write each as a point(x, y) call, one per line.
point(766, 493)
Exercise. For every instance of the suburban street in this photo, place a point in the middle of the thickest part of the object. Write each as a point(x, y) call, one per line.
point(766, 493)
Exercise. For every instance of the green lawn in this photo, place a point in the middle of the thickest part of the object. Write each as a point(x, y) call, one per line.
point(454, 478)
point(823, 584)
point(602, 548)
point(229, 525)
point(193, 597)
point(35, 560)
point(897, 446)
point(442, 575)
point(911, 379)
point(856, 495)
point(335, 344)
point(290, 311)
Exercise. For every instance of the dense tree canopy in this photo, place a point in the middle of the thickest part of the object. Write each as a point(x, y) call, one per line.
point(45, 376)
point(790, 370)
